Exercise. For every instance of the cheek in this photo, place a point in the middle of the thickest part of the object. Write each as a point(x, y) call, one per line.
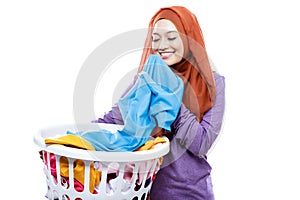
point(179, 54)
point(178, 45)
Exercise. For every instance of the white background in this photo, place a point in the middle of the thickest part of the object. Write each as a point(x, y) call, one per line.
point(254, 44)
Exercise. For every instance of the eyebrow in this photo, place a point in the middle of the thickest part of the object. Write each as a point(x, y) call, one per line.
point(154, 33)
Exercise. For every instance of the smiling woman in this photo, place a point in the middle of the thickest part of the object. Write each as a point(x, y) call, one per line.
point(175, 36)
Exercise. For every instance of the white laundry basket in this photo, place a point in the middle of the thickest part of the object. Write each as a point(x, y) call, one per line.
point(141, 166)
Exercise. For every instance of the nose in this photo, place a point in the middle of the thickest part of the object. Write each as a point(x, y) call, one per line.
point(164, 44)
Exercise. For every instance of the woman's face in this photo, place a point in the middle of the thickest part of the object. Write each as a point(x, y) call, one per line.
point(166, 42)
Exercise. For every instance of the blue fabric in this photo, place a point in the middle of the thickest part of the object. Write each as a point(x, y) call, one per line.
point(154, 99)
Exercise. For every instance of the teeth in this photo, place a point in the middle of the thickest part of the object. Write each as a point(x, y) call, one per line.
point(166, 54)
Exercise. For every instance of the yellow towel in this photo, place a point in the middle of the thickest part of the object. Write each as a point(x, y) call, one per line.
point(70, 140)
point(150, 144)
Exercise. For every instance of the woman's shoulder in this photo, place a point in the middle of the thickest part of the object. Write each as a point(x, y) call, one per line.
point(218, 77)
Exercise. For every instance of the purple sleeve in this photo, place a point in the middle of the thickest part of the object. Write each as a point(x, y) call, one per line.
point(199, 137)
point(112, 117)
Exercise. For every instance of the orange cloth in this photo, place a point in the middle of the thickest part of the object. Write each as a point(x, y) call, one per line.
point(194, 68)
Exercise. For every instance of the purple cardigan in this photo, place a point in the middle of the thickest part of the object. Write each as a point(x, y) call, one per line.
point(185, 172)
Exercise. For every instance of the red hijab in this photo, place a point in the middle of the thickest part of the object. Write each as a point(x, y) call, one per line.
point(194, 68)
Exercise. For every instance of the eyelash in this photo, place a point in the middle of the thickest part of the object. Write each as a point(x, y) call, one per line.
point(170, 39)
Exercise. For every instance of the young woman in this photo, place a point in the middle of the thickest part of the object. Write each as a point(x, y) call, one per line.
point(175, 35)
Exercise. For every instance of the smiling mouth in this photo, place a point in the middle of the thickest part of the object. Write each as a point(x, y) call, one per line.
point(166, 55)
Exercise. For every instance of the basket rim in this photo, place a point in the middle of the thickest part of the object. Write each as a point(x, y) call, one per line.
point(77, 153)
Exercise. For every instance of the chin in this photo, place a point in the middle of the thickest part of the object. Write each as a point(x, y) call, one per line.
point(170, 62)
point(167, 62)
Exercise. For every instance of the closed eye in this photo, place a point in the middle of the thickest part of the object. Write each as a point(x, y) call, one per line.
point(155, 39)
point(172, 38)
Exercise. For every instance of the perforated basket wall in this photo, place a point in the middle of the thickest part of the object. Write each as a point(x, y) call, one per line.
point(122, 175)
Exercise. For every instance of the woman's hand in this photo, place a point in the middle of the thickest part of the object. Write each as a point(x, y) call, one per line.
point(157, 132)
